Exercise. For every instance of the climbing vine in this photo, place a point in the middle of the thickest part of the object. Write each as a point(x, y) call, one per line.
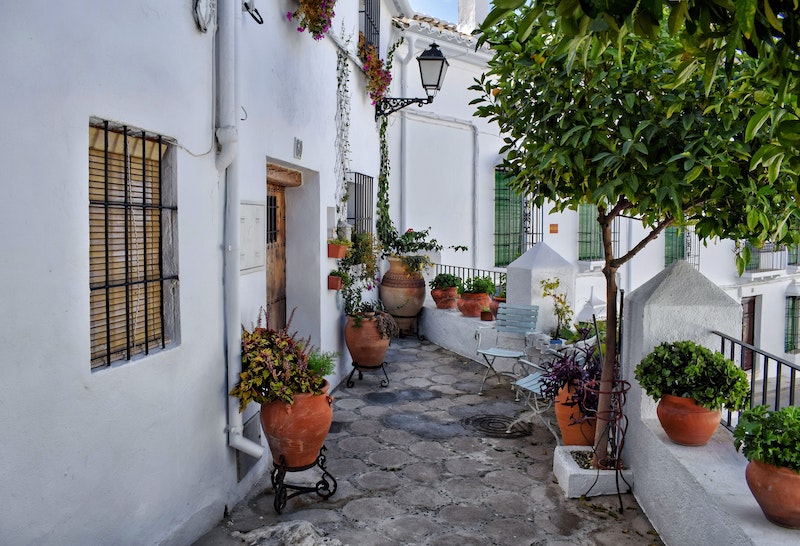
point(386, 230)
point(342, 166)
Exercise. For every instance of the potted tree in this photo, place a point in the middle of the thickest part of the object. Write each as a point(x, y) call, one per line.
point(475, 295)
point(286, 376)
point(691, 384)
point(564, 381)
point(769, 440)
point(444, 290)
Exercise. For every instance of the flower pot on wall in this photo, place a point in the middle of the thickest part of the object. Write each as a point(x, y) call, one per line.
point(402, 293)
point(337, 251)
point(334, 282)
point(471, 305)
point(685, 422)
point(777, 491)
point(445, 298)
point(295, 432)
point(575, 431)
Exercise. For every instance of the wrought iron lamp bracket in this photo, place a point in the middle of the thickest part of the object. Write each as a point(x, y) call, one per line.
point(387, 105)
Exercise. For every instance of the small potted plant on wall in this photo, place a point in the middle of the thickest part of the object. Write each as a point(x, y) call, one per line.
point(337, 278)
point(338, 247)
point(475, 295)
point(691, 385)
point(769, 439)
point(286, 376)
point(444, 290)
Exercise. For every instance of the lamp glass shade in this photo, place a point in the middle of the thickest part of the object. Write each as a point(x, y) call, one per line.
point(432, 68)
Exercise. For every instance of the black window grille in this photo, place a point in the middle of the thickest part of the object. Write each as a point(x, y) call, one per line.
point(791, 340)
point(791, 252)
point(681, 243)
point(272, 218)
point(770, 257)
point(132, 271)
point(370, 15)
point(359, 202)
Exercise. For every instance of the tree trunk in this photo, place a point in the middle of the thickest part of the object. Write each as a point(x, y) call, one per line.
point(601, 438)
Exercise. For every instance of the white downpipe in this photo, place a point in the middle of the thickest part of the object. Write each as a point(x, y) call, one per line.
point(228, 136)
point(412, 40)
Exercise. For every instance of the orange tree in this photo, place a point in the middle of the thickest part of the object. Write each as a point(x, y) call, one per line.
point(626, 125)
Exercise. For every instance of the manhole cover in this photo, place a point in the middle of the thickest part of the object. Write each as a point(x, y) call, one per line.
point(496, 426)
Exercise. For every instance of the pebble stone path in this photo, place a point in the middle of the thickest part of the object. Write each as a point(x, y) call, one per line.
point(412, 471)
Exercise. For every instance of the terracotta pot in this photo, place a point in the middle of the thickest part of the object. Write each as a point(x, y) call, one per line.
point(445, 298)
point(487, 315)
point(296, 432)
point(334, 282)
point(337, 251)
point(574, 432)
point(777, 491)
point(471, 305)
point(402, 293)
point(685, 422)
point(496, 301)
point(365, 344)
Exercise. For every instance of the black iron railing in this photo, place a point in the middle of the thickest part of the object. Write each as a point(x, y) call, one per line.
point(465, 273)
point(773, 380)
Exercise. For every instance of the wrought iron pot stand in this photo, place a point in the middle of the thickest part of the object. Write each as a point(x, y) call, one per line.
point(360, 369)
point(323, 487)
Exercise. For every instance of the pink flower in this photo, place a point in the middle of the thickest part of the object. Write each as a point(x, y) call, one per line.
point(289, 16)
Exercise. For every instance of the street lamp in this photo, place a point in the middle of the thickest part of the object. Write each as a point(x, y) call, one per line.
point(432, 68)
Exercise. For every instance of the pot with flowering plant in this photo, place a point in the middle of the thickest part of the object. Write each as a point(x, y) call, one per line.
point(286, 375)
point(314, 15)
point(475, 295)
point(378, 75)
point(565, 381)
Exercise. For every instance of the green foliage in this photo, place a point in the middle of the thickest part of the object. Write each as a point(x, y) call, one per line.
point(561, 307)
point(446, 280)
point(276, 365)
point(321, 363)
point(345, 276)
point(686, 369)
point(339, 241)
point(770, 436)
point(477, 285)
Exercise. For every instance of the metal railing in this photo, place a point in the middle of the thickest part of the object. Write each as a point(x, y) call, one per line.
point(773, 380)
point(466, 272)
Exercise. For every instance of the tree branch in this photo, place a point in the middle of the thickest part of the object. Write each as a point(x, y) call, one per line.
point(655, 232)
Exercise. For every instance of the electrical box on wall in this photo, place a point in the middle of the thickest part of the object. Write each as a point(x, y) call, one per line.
point(252, 237)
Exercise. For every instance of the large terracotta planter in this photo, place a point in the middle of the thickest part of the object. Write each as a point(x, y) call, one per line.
point(366, 345)
point(777, 492)
point(471, 305)
point(685, 422)
point(574, 430)
point(402, 293)
point(296, 432)
point(445, 298)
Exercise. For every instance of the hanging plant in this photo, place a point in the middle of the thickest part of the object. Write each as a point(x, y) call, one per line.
point(386, 230)
point(378, 76)
point(342, 129)
point(314, 15)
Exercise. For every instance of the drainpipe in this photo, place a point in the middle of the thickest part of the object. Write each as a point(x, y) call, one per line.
point(412, 40)
point(227, 138)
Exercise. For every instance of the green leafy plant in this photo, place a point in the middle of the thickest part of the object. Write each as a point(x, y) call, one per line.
point(770, 436)
point(561, 307)
point(477, 285)
point(339, 241)
point(684, 368)
point(321, 363)
point(345, 276)
point(275, 365)
point(501, 288)
point(446, 280)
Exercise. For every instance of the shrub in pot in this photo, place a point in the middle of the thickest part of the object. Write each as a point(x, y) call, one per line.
point(769, 439)
point(691, 385)
point(444, 290)
point(286, 376)
point(564, 382)
point(475, 295)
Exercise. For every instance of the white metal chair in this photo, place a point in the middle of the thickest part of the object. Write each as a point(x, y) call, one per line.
point(511, 320)
point(531, 386)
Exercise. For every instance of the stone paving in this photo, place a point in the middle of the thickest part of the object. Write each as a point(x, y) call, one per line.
point(410, 470)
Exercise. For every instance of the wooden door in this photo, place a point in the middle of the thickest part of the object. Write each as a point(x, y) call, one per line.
point(748, 330)
point(276, 255)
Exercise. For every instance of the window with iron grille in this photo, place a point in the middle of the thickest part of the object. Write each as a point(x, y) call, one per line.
point(359, 202)
point(590, 238)
point(517, 223)
point(681, 243)
point(370, 22)
point(792, 254)
point(133, 266)
point(791, 340)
